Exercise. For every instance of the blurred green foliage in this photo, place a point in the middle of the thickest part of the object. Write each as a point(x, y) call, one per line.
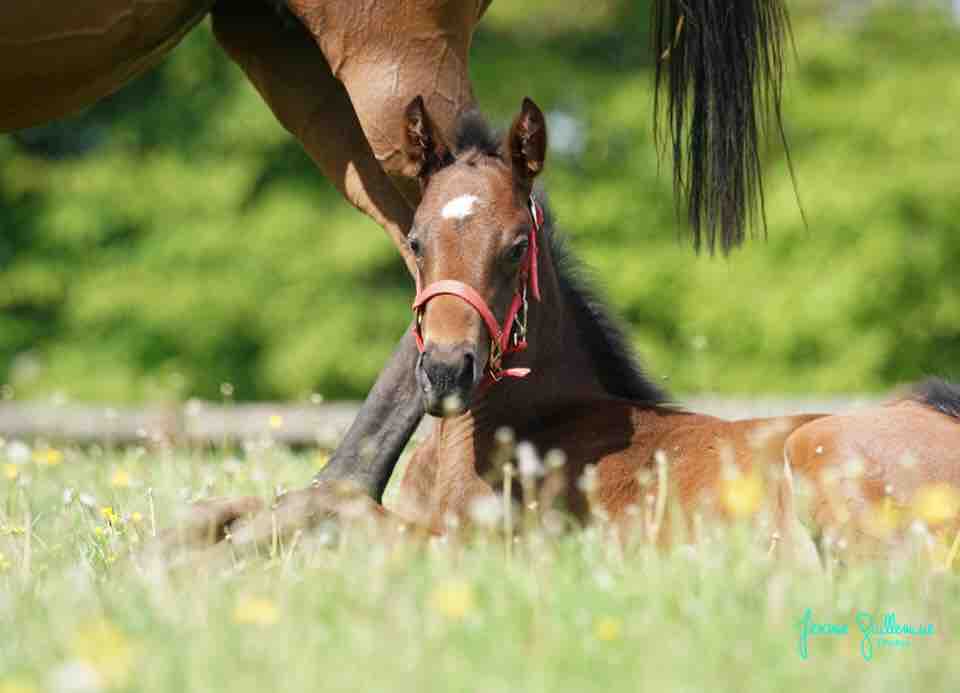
point(182, 239)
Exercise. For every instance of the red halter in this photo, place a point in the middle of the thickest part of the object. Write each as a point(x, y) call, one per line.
point(512, 337)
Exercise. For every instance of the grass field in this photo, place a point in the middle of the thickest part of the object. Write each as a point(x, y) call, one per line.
point(559, 613)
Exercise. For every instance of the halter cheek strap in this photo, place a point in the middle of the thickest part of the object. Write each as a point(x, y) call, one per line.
point(510, 338)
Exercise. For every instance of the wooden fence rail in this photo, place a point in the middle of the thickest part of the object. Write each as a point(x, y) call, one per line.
point(320, 425)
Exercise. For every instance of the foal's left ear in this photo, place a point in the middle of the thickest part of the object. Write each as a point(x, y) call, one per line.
point(527, 142)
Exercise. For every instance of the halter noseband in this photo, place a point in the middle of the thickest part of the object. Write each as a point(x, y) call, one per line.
point(510, 338)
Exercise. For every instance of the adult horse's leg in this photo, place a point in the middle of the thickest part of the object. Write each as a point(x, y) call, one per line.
point(284, 65)
point(352, 125)
point(388, 53)
point(292, 76)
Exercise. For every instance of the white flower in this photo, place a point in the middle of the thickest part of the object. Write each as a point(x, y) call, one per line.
point(18, 452)
point(75, 676)
point(528, 464)
point(485, 510)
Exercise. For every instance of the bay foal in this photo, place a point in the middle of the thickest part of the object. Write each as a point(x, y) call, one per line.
point(510, 336)
point(482, 248)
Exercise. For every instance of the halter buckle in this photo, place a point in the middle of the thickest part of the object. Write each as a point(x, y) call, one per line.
point(518, 334)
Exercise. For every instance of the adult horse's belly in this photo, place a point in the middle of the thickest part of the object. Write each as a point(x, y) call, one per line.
point(57, 56)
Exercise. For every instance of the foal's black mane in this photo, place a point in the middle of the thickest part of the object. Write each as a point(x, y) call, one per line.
point(614, 359)
point(939, 394)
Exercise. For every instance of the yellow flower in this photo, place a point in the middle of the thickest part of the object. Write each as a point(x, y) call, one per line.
point(120, 478)
point(742, 494)
point(47, 456)
point(105, 648)
point(884, 518)
point(17, 686)
point(256, 611)
point(453, 599)
point(98, 531)
point(108, 514)
point(276, 422)
point(936, 504)
point(10, 471)
point(4, 564)
point(607, 628)
point(136, 518)
point(320, 460)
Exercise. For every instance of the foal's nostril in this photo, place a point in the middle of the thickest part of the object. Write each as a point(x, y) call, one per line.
point(467, 372)
point(445, 373)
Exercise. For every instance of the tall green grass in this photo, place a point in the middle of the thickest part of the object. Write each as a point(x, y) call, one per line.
point(570, 612)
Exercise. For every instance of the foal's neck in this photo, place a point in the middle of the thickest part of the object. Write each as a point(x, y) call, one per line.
point(563, 373)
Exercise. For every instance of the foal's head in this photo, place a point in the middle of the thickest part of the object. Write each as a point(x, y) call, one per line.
point(472, 231)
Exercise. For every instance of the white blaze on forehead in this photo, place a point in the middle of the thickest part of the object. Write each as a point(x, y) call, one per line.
point(459, 207)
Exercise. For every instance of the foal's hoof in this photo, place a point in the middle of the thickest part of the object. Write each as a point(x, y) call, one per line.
point(305, 509)
point(209, 521)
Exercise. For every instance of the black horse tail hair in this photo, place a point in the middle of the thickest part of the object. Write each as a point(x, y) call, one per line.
point(940, 395)
point(719, 76)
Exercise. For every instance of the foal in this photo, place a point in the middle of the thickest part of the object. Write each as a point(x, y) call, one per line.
point(511, 336)
point(493, 279)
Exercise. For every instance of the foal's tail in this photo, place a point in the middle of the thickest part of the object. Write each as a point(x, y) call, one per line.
point(940, 395)
point(720, 63)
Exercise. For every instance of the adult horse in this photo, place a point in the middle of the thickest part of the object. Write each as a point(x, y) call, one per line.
point(338, 75)
point(510, 336)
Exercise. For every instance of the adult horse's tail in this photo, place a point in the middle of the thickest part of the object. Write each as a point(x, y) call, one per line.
point(720, 63)
point(939, 394)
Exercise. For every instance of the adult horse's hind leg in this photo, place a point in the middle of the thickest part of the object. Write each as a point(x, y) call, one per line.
point(291, 74)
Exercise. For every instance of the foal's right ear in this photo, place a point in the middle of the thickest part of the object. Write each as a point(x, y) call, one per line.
point(423, 144)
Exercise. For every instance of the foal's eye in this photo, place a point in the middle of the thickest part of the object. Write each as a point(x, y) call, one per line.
point(415, 246)
point(518, 250)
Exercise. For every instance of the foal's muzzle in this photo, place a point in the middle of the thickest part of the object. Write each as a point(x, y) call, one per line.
point(447, 376)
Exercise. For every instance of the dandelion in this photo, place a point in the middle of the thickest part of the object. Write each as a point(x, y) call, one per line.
point(120, 478)
point(276, 422)
point(18, 452)
point(98, 531)
point(75, 677)
point(607, 628)
point(936, 504)
point(485, 511)
point(255, 611)
point(136, 518)
point(885, 518)
point(453, 600)
point(47, 457)
point(10, 472)
point(103, 647)
point(17, 686)
point(109, 514)
point(742, 494)
point(320, 460)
